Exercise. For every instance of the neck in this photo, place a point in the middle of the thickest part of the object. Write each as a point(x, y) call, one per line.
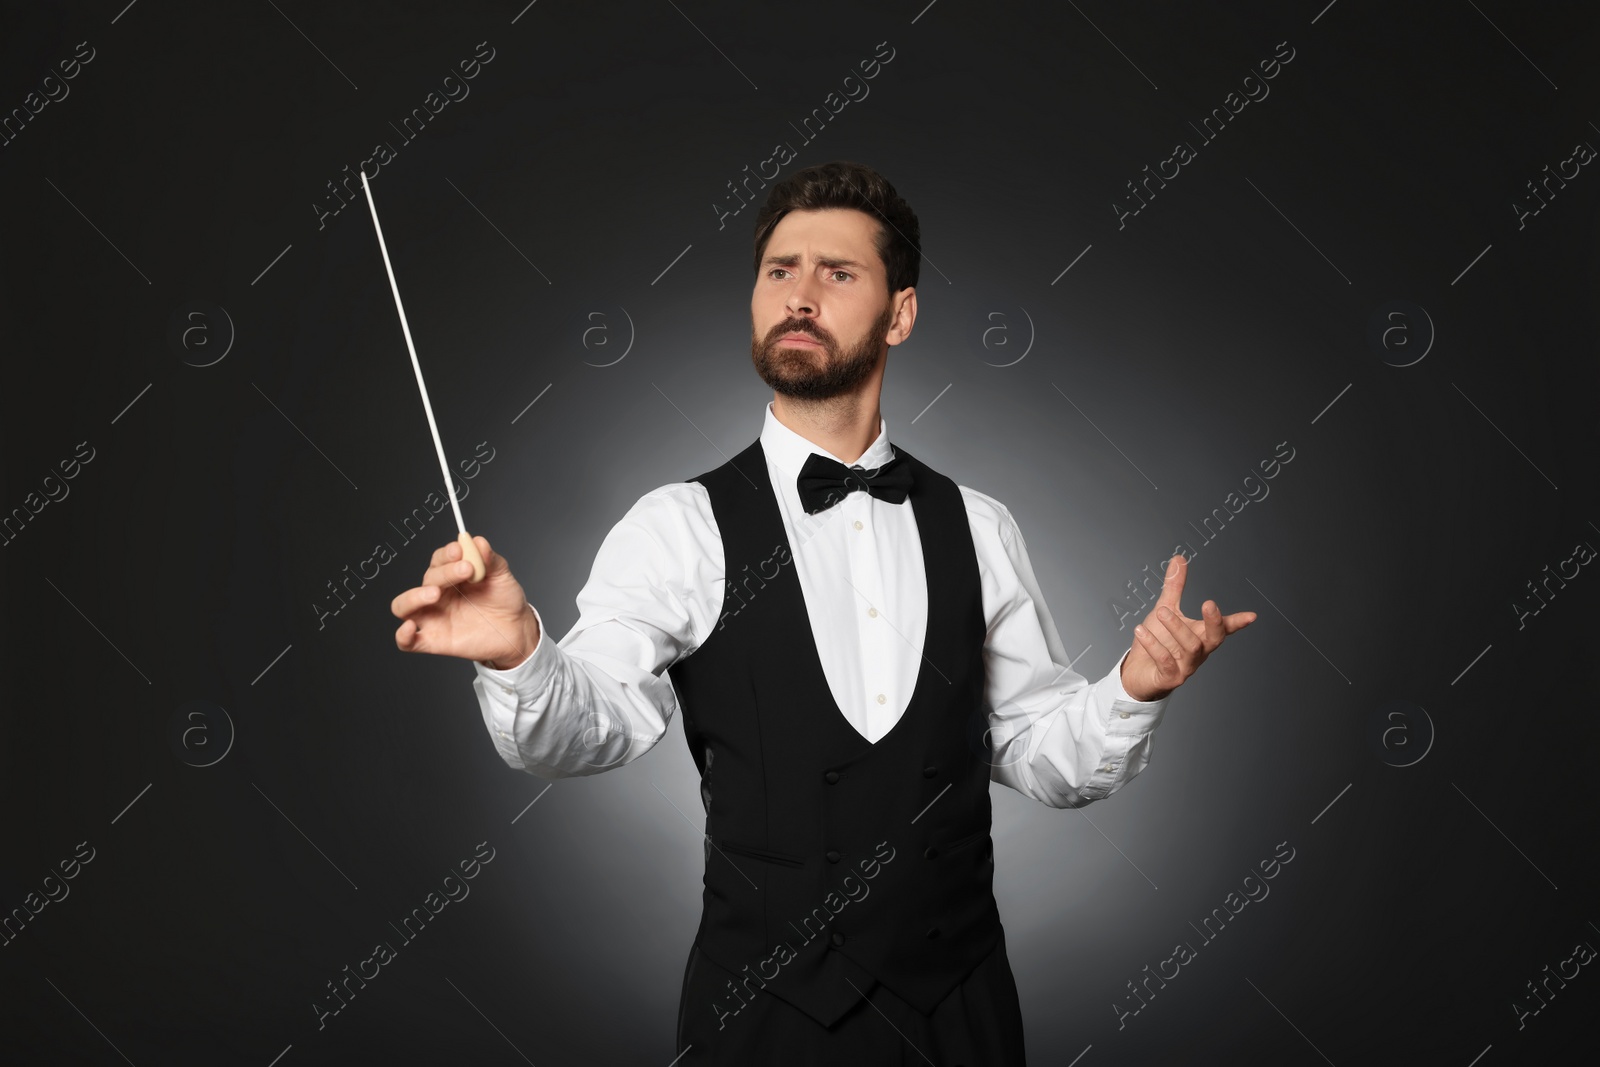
point(844, 425)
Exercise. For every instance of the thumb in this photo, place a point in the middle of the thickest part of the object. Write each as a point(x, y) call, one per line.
point(497, 575)
point(490, 559)
point(494, 564)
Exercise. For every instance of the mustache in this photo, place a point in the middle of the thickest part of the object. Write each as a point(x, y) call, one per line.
point(802, 326)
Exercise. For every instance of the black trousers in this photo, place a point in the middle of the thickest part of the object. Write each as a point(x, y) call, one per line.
point(978, 1025)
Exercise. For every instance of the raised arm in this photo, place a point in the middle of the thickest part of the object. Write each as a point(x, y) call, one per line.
point(1053, 735)
point(598, 698)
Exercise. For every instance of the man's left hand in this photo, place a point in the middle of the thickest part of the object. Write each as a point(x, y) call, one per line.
point(1168, 648)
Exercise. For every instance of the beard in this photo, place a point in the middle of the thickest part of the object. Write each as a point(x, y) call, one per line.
point(817, 373)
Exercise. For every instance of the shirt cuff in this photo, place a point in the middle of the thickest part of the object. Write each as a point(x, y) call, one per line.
point(529, 678)
point(1125, 716)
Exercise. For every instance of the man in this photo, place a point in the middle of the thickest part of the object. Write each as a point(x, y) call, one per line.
point(858, 651)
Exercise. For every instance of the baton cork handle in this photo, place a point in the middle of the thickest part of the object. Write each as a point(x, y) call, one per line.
point(470, 553)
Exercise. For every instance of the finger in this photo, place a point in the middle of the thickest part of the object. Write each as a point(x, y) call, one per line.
point(1179, 628)
point(1158, 652)
point(1238, 620)
point(1172, 585)
point(1178, 637)
point(411, 601)
point(408, 638)
point(449, 573)
point(445, 553)
point(1163, 636)
point(1213, 623)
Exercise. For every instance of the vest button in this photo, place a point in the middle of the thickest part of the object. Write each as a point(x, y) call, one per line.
point(929, 852)
point(933, 931)
point(837, 939)
point(833, 857)
point(831, 777)
point(929, 771)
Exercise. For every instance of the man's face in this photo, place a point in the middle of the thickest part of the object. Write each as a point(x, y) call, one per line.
point(820, 313)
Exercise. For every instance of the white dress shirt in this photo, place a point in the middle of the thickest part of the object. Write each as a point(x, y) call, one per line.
point(600, 696)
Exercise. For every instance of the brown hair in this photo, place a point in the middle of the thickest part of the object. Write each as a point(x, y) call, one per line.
point(849, 185)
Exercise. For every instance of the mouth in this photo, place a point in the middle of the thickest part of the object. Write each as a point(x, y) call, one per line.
point(799, 339)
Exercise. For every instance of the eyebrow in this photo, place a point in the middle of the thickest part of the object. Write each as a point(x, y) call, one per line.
point(827, 261)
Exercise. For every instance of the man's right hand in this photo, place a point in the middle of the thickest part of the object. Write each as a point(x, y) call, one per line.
point(449, 615)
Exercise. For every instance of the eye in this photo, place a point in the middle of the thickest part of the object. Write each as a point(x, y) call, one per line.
point(775, 270)
point(846, 273)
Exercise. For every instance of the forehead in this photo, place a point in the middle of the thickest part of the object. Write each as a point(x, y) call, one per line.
point(828, 231)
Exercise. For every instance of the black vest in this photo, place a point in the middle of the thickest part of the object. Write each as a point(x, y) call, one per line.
point(831, 862)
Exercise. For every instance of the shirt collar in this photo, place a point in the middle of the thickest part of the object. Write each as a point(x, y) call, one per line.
point(788, 450)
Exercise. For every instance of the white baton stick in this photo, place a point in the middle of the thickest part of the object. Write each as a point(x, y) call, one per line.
point(469, 548)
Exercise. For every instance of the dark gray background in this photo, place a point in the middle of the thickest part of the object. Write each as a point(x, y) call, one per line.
point(1230, 315)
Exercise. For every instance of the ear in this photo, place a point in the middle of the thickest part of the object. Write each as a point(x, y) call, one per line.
point(904, 315)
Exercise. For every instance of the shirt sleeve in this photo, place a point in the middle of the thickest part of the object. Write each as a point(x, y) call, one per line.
point(1054, 736)
point(600, 697)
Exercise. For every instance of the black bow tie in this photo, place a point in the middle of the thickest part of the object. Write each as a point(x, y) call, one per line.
point(823, 482)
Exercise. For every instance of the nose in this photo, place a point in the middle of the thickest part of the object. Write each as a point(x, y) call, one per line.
point(802, 299)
